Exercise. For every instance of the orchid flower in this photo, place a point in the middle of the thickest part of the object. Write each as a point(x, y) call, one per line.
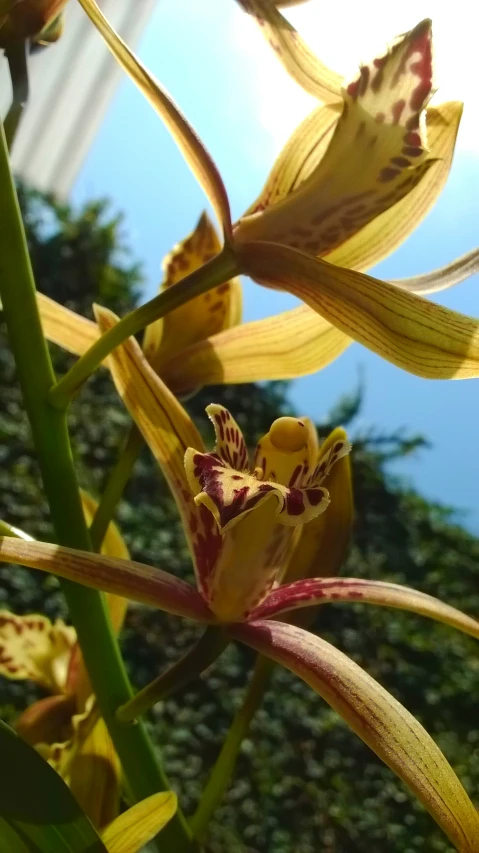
point(39, 20)
point(65, 727)
point(352, 182)
point(240, 518)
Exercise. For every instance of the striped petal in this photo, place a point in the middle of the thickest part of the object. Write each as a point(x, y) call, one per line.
point(442, 278)
point(300, 156)
point(314, 591)
point(169, 431)
point(407, 330)
point(185, 137)
point(65, 328)
point(33, 647)
point(376, 717)
point(135, 581)
point(138, 825)
point(199, 318)
point(294, 343)
point(296, 57)
point(389, 229)
point(376, 155)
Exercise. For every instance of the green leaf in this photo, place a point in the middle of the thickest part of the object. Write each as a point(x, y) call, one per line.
point(38, 813)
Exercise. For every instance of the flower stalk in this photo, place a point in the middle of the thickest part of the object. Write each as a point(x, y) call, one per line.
point(217, 271)
point(87, 607)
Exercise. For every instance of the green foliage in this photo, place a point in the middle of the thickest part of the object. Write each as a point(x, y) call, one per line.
point(304, 783)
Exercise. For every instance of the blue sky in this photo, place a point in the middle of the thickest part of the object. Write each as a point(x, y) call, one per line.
point(244, 107)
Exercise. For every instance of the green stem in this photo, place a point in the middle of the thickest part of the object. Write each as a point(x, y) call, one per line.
point(221, 268)
point(115, 485)
point(219, 780)
point(87, 607)
point(208, 648)
point(17, 57)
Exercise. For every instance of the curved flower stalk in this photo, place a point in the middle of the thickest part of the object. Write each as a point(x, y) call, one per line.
point(201, 318)
point(372, 158)
point(65, 727)
point(225, 502)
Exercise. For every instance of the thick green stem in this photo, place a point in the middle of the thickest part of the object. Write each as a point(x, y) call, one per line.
point(115, 486)
point(87, 607)
point(221, 268)
point(222, 772)
point(208, 648)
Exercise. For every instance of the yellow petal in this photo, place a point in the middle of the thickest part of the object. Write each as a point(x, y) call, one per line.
point(168, 430)
point(94, 776)
point(185, 137)
point(325, 540)
point(33, 647)
point(388, 230)
point(296, 57)
point(294, 343)
point(201, 317)
point(300, 156)
point(113, 546)
point(411, 332)
point(43, 721)
point(61, 326)
point(136, 827)
point(443, 277)
point(376, 717)
point(376, 155)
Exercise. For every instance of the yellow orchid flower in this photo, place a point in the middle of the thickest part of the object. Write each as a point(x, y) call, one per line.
point(200, 319)
point(352, 182)
point(239, 518)
point(65, 727)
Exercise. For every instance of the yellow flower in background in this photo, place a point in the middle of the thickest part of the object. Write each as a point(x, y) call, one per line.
point(65, 727)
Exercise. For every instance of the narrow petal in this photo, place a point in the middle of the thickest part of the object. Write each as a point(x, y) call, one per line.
point(376, 156)
point(138, 825)
point(33, 647)
point(300, 156)
point(296, 57)
point(169, 431)
point(61, 326)
point(135, 581)
point(411, 332)
point(94, 776)
point(442, 278)
point(285, 346)
point(387, 231)
point(230, 444)
point(310, 592)
point(376, 717)
point(325, 541)
point(199, 318)
point(185, 137)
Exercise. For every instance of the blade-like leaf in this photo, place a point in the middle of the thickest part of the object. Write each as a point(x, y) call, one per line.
point(37, 806)
point(284, 346)
point(314, 591)
point(379, 719)
point(297, 58)
point(411, 332)
point(388, 230)
point(136, 581)
point(443, 277)
point(137, 826)
point(185, 137)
